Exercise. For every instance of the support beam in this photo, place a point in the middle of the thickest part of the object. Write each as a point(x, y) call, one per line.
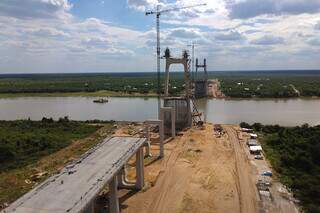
point(147, 144)
point(161, 133)
point(139, 169)
point(113, 197)
point(123, 183)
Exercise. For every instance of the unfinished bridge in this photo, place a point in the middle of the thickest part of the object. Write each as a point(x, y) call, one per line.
point(76, 187)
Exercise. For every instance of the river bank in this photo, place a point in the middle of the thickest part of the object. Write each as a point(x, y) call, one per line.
point(106, 93)
point(101, 93)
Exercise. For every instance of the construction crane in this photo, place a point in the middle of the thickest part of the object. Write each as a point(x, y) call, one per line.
point(192, 59)
point(158, 13)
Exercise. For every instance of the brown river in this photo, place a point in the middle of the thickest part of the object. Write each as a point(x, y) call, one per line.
point(287, 112)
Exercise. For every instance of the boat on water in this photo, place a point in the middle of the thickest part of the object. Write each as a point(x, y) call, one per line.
point(101, 101)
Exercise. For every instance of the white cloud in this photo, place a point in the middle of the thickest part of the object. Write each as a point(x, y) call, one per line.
point(187, 33)
point(45, 9)
point(251, 8)
point(142, 5)
point(229, 36)
point(268, 40)
point(48, 32)
point(314, 42)
point(49, 37)
point(317, 26)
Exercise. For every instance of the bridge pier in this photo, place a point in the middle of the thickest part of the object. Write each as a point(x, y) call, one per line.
point(139, 169)
point(113, 196)
point(119, 181)
point(163, 113)
point(88, 179)
point(161, 133)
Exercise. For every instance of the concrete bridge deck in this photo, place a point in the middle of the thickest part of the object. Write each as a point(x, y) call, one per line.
point(76, 187)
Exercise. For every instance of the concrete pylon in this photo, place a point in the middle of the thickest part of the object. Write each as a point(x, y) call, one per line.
point(184, 62)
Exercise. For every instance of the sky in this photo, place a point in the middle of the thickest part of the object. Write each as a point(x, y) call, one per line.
point(71, 36)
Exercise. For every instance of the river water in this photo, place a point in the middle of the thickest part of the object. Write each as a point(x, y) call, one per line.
point(288, 112)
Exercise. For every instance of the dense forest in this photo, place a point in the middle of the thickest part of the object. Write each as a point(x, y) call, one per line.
point(276, 84)
point(286, 86)
point(295, 154)
point(23, 142)
point(143, 83)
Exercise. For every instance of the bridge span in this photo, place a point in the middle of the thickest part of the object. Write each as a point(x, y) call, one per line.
point(76, 187)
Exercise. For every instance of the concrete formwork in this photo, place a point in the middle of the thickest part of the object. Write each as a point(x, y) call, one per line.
point(168, 115)
point(200, 88)
point(182, 107)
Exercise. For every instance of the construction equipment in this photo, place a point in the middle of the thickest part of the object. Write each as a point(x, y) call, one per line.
point(192, 59)
point(158, 12)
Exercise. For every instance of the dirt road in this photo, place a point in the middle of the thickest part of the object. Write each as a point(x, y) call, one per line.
point(198, 174)
point(247, 190)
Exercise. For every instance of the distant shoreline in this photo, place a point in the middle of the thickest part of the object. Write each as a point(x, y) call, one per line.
point(104, 93)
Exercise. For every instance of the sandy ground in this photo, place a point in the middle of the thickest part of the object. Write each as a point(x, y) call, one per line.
point(200, 173)
point(214, 89)
point(203, 171)
point(246, 175)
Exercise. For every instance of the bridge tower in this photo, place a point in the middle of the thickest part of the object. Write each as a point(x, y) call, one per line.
point(201, 80)
point(186, 111)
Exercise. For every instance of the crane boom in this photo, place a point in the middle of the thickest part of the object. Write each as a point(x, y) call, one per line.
point(181, 8)
point(173, 9)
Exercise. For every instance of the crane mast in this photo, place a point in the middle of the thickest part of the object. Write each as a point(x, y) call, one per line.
point(158, 13)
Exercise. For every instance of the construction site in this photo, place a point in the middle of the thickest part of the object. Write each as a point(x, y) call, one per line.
point(175, 163)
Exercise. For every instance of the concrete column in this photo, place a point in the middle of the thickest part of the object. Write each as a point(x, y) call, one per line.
point(147, 132)
point(166, 88)
point(173, 122)
point(171, 110)
point(139, 169)
point(190, 111)
point(92, 207)
point(121, 179)
point(113, 197)
point(187, 78)
point(161, 132)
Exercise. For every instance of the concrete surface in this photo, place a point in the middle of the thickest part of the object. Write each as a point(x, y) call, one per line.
point(74, 189)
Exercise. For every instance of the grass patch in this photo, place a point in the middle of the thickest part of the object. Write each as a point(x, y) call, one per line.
point(35, 150)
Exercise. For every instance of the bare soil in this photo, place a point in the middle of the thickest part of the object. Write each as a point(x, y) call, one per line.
point(214, 89)
point(199, 173)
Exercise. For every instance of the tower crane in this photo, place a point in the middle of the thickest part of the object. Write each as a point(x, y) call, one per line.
point(158, 13)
